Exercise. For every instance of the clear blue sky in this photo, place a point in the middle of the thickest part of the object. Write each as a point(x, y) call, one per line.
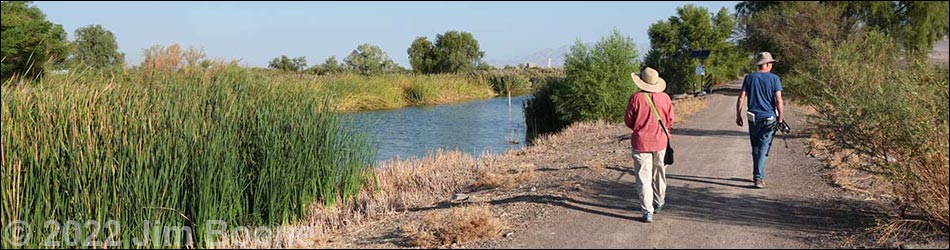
point(256, 32)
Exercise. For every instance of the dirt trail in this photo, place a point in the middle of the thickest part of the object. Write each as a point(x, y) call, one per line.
point(710, 202)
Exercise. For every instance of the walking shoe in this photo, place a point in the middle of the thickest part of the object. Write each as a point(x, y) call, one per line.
point(657, 208)
point(648, 217)
point(759, 183)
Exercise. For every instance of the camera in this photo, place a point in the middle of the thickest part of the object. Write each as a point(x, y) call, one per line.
point(783, 126)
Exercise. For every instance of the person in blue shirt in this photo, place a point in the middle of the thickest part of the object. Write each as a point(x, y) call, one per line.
point(766, 109)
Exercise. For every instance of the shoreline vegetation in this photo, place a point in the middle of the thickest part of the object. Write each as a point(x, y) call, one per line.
point(194, 146)
point(171, 149)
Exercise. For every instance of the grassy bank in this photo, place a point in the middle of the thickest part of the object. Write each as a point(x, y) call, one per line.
point(356, 92)
point(172, 150)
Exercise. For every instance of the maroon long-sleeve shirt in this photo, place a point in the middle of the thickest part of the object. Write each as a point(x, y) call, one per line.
point(647, 136)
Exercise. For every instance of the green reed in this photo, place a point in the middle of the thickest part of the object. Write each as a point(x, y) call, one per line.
point(169, 149)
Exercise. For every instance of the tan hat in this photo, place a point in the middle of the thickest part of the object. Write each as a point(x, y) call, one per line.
point(763, 58)
point(649, 80)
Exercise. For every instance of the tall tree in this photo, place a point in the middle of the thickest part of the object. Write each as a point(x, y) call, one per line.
point(30, 43)
point(694, 28)
point(332, 66)
point(369, 59)
point(422, 56)
point(790, 26)
point(457, 51)
point(746, 8)
point(96, 47)
point(916, 24)
point(453, 51)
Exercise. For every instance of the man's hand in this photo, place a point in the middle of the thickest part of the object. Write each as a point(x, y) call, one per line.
point(739, 120)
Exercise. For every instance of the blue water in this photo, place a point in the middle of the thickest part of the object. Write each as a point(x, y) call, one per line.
point(474, 127)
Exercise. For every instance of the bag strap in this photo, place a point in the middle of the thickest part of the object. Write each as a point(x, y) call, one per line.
point(656, 114)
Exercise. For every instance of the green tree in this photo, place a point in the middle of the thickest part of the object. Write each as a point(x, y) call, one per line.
point(330, 66)
point(787, 28)
point(597, 83)
point(285, 63)
point(30, 43)
point(457, 51)
point(915, 24)
point(96, 47)
point(746, 8)
point(422, 56)
point(694, 28)
point(453, 51)
point(369, 59)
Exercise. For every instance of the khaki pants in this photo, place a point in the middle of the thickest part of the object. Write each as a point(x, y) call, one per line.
point(651, 175)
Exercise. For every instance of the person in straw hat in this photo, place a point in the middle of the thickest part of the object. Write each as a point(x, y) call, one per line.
point(649, 138)
point(766, 109)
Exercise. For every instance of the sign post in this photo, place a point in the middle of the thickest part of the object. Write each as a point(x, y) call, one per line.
point(700, 70)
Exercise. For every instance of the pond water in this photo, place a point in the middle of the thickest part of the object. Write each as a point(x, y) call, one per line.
point(474, 127)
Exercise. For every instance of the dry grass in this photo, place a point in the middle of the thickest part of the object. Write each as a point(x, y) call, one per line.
point(684, 108)
point(456, 226)
point(583, 144)
point(490, 178)
point(849, 169)
point(566, 137)
point(902, 230)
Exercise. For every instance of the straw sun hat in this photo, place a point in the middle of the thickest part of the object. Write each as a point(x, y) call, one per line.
point(763, 58)
point(649, 80)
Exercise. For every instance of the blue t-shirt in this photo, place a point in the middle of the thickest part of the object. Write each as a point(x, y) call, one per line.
point(760, 88)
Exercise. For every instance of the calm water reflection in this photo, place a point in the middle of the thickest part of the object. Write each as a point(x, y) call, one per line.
point(474, 127)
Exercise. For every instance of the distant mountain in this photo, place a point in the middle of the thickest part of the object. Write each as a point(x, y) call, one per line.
point(540, 58)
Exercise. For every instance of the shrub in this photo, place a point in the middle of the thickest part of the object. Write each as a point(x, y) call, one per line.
point(509, 83)
point(516, 81)
point(597, 84)
point(875, 101)
point(539, 114)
